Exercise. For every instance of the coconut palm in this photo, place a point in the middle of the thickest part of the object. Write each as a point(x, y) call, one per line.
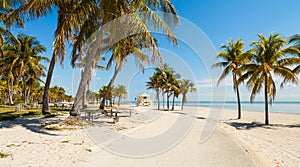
point(23, 60)
point(269, 59)
point(167, 79)
point(154, 84)
point(120, 92)
point(71, 17)
point(186, 86)
point(81, 64)
point(121, 50)
point(6, 8)
point(233, 57)
point(175, 90)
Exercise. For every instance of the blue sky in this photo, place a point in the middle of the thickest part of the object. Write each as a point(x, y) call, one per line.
point(218, 20)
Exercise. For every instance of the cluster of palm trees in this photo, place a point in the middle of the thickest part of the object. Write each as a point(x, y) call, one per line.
point(167, 82)
point(77, 20)
point(58, 94)
point(257, 67)
point(21, 66)
point(119, 92)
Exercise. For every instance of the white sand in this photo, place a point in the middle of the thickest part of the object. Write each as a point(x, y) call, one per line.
point(234, 143)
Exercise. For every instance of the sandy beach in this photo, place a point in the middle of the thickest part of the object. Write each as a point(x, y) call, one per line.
point(245, 142)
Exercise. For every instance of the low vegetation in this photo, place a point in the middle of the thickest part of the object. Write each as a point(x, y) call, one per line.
point(4, 155)
point(10, 113)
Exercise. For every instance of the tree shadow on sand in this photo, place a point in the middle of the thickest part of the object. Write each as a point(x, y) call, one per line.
point(248, 126)
point(33, 124)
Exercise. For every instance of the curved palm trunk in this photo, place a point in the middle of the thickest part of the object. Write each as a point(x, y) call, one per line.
point(266, 102)
point(236, 87)
point(157, 97)
point(46, 109)
point(117, 70)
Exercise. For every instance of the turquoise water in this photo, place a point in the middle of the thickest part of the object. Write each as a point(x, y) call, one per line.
point(277, 106)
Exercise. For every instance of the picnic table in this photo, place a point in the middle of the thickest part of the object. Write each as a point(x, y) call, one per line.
point(91, 113)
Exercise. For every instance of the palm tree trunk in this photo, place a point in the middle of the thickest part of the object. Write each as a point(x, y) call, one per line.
point(119, 101)
point(10, 92)
point(157, 97)
point(75, 111)
point(236, 88)
point(24, 92)
point(117, 70)
point(173, 102)
point(163, 98)
point(28, 93)
point(84, 93)
point(46, 109)
point(182, 101)
point(266, 101)
point(168, 105)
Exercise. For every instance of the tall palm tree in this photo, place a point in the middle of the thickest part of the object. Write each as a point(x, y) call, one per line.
point(102, 91)
point(167, 78)
point(186, 86)
point(5, 9)
point(269, 59)
point(233, 57)
point(71, 17)
point(22, 56)
point(121, 50)
point(82, 64)
point(154, 84)
point(120, 92)
point(175, 90)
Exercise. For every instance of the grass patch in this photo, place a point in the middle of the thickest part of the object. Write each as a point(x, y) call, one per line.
point(120, 128)
point(3, 155)
point(13, 145)
point(65, 141)
point(9, 113)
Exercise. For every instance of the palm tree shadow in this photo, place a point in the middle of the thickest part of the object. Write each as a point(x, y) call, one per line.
point(177, 112)
point(34, 125)
point(249, 126)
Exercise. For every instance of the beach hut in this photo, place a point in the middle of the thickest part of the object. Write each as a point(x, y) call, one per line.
point(144, 100)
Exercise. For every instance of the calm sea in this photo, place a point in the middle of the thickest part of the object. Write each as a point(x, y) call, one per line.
point(279, 106)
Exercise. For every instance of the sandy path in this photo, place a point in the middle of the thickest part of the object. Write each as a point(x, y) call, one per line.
point(219, 150)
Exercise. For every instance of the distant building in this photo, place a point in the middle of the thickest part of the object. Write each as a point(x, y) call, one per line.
point(144, 100)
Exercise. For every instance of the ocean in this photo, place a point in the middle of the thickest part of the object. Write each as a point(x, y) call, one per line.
point(292, 107)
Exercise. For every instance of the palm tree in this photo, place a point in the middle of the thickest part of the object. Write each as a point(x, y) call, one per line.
point(71, 17)
point(295, 40)
point(6, 7)
point(186, 86)
point(154, 84)
point(167, 79)
point(269, 60)
point(233, 57)
point(176, 91)
point(82, 64)
point(23, 59)
point(120, 92)
point(102, 91)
